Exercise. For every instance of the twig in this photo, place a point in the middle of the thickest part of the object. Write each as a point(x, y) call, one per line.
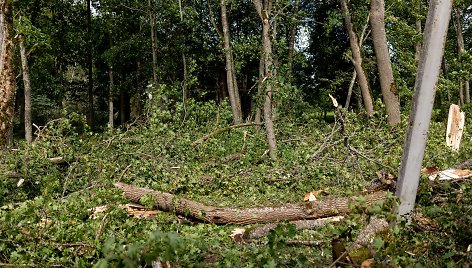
point(218, 131)
point(354, 150)
point(308, 243)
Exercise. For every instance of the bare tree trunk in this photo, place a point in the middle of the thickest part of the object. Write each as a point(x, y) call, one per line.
point(260, 90)
point(291, 40)
point(357, 60)
point(184, 62)
point(27, 85)
point(387, 83)
point(463, 83)
point(7, 74)
point(354, 73)
point(111, 90)
point(264, 13)
point(91, 118)
point(152, 24)
point(230, 76)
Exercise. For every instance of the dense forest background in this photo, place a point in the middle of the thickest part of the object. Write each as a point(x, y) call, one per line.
point(229, 103)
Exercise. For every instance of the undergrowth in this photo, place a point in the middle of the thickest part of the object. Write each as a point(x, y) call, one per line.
point(45, 207)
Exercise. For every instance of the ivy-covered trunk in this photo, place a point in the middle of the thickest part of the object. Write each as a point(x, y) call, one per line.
point(7, 75)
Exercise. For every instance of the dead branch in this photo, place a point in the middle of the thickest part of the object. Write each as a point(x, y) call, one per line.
point(221, 130)
point(218, 215)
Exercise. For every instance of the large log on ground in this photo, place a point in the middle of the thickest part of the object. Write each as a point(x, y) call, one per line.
point(220, 215)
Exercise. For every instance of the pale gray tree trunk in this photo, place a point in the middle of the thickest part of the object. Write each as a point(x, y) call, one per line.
point(357, 60)
point(230, 75)
point(7, 74)
point(27, 86)
point(464, 88)
point(423, 99)
point(264, 10)
point(384, 65)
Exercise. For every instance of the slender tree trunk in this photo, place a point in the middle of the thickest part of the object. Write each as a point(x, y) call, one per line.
point(184, 62)
point(139, 87)
point(349, 91)
point(293, 35)
point(463, 83)
point(91, 119)
point(387, 83)
point(7, 74)
point(445, 73)
point(27, 85)
point(264, 9)
point(259, 91)
point(357, 60)
point(152, 23)
point(230, 76)
point(111, 90)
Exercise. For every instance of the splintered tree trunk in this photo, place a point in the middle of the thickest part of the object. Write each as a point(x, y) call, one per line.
point(27, 85)
point(263, 9)
point(230, 76)
point(220, 215)
point(7, 75)
point(387, 84)
point(357, 60)
point(464, 88)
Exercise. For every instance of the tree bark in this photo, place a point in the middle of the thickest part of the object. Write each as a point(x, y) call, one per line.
point(27, 86)
point(152, 24)
point(387, 83)
point(7, 74)
point(91, 118)
point(218, 215)
point(184, 62)
point(464, 86)
point(264, 10)
point(230, 75)
point(357, 60)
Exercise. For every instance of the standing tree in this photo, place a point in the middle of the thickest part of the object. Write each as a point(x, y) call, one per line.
point(233, 91)
point(7, 75)
point(357, 60)
point(464, 87)
point(264, 8)
point(27, 85)
point(387, 84)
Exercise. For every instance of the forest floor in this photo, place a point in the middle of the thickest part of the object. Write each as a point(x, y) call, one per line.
point(49, 209)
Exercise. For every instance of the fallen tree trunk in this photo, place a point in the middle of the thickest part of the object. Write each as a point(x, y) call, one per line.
point(218, 215)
